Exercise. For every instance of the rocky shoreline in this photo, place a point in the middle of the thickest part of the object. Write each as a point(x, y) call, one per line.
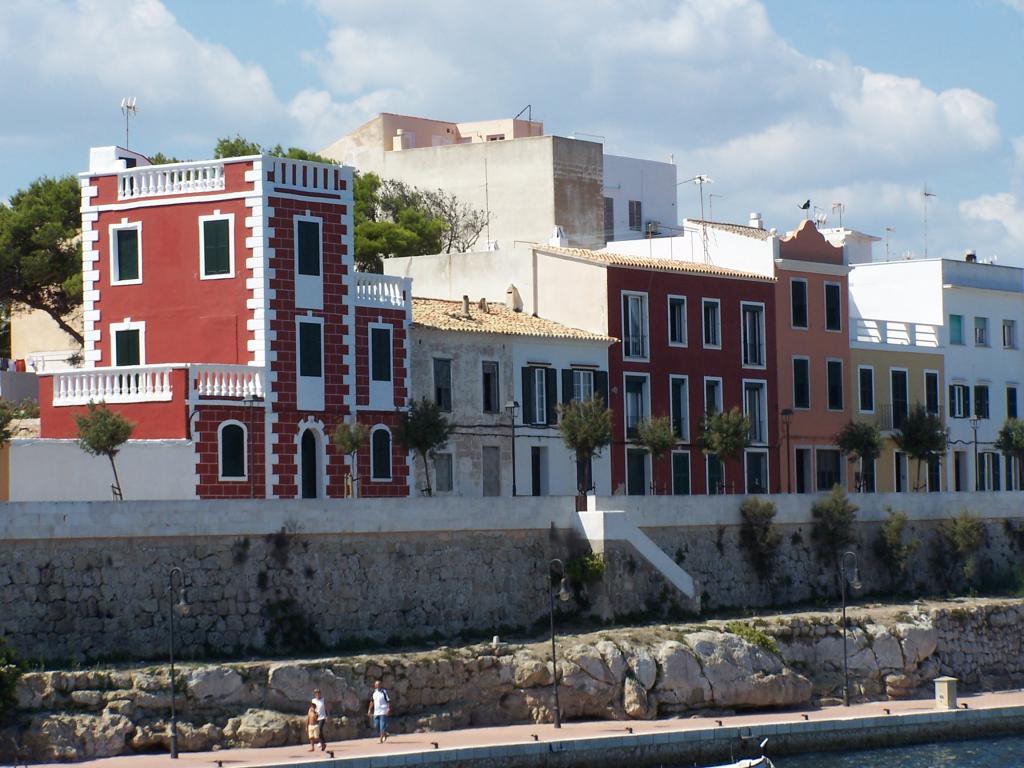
point(791, 660)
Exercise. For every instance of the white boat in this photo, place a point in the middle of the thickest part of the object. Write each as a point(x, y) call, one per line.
point(750, 762)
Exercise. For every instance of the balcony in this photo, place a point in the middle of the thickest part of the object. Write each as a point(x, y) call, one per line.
point(156, 383)
point(173, 179)
point(374, 290)
point(894, 333)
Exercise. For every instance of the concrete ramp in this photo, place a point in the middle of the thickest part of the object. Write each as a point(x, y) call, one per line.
point(602, 527)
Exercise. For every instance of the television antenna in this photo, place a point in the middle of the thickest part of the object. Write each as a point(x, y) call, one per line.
point(925, 194)
point(711, 204)
point(127, 109)
point(700, 180)
point(840, 208)
point(888, 231)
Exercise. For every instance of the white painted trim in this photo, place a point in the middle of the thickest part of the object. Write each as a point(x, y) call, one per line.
point(309, 289)
point(381, 393)
point(646, 404)
point(309, 402)
point(767, 466)
point(685, 438)
point(220, 451)
point(646, 325)
point(862, 367)
point(672, 470)
point(112, 229)
point(217, 216)
point(720, 405)
point(128, 325)
point(686, 324)
point(763, 386)
point(391, 445)
point(316, 427)
point(703, 327)
point(763, 331)
point(938, 388)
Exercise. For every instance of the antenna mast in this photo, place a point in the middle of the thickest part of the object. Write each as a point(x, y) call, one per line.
point(127, 109)
point(925, 194)
point(888, 232)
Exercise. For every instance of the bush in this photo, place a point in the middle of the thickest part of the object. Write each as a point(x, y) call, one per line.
point(10, 671)
point(832, 527)
point(960, 538)
point(585, 569)
point(754, 636)
point(890, 549)
point(759, 536)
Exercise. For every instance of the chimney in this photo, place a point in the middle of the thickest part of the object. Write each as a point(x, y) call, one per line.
point(483, 306)
point(755, 221)
point(971, 257)
point(558, 238)
point(465, 306)
point(513, 300)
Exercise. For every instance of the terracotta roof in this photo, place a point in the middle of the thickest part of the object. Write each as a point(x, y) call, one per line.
point(447, 316)
point(662, 265)
point(757, 233)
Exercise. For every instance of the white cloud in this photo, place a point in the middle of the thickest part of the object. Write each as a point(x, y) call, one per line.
point(1003, 209)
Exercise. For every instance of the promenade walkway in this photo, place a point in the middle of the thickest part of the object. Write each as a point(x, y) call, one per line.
point(638, 742)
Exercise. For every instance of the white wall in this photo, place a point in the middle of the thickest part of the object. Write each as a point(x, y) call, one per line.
point(651, 182)
point(725, 249)
point(16, 386)
point(571, 291)
point(882, 291)
point(58, 470)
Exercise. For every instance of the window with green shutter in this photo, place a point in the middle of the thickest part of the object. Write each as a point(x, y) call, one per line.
point(127, 254)
point(310, 358)
point(232, 451)
point(309, 248)
point(216, 247)
point(127, 349)
point(380, 354)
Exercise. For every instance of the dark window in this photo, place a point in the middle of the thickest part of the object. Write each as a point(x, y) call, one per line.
point(381, 455)
point(801, 383)
point(309, 248)
point(216, 247)
point(609, 218)
point(798, 296)
point(540, 395)
point(867, 389)
point(712, 395)
point(310, 464)
point(635, 215)
point(981, 401)
point(1011, 402)
point(636, 472)
point(833, 308)
point(757, 472)
point(934, 475)
point(931, 392)
point(490, 385)
point(834, 368)
point(867, 477)
point(680, 407)
point(634, 325)
point(828, 469)
point(753, 334)
point(959, 401)
point(127, 254)
point(681, 474)
point(712, 329)
point(716, 475)
point(127, 350)
point(380, 351)
point(310, 357)
point(677, 320)
point(900, 398)
point(232, 451)
point(443, 384)
point(636, 403)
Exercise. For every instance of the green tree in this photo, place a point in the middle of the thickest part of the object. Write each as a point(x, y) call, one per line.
point(350, 437)
point(832, 526)
point(861, 441)
point(161, 159)
point(923, 437)
point(391, 219)
point(890, 547)
point(657, 436)
point(423, 430)
point(1011, 441)
point(759, 536)
point(102, 432)
point(586, 428)
point(959, 540)
point(725, 433)
point(40, 251)
point(235, 146)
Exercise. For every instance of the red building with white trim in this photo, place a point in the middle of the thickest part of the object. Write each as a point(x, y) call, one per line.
point(222, 307)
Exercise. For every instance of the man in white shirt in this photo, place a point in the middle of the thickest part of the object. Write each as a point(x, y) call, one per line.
point(380, 708)
point(321, 716)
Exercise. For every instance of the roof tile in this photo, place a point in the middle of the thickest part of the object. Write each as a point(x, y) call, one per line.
point(447, 315)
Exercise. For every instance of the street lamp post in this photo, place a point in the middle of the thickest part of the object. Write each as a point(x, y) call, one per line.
point(563, 595)
point(977, 469)
point(250, 465)
point(787, 417)
point(182, 606)
point(855, 583)
point(512, 406)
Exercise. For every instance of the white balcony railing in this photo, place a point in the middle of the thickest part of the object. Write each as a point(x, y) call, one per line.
point(382, 290)
point(300, 174)
point(895, 333)
point(129, 384)
point(174, 179)
point(228, 381)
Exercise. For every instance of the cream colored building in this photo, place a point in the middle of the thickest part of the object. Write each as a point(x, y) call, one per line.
point(40, 342)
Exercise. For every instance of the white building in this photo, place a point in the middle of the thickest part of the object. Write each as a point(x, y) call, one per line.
point(474, 359)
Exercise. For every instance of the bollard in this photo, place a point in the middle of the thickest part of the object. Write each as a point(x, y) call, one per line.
point(945, 693)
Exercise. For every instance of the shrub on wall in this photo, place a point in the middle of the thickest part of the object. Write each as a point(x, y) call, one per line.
point(959, 540)
point(10, 671)
point(890, 548)
point(832, 524)
point(759, 536)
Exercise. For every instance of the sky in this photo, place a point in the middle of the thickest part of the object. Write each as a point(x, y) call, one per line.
point(859, 103)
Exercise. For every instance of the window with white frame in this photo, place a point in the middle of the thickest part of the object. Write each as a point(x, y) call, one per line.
point(712, 395)
point(711, 310)
point(540, 396)
point(380, 353)
point(866, 395)
point(1011, 402)
point(1009, 334)
point(801, 383)
point(310, 353)
point(988, 471)
point(833, 307)
point(380, 454)
point(582, 384)
point(981, 401)
point(679, 400)
point(798, 302)
point(216, 246)
point(634, 325)
point(931, 392)
point(956, 329)
point(231, 437)
point(309, 282)
point(834, 373)
point(959, 401)
point(981, 331)
point(755, 407)
point(129, 343)
point(677, 321)
point(681, 473)
point(752, 320)
point(126, 253)
point(637, 402)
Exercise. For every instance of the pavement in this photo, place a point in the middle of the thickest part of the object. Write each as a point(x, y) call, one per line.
point(424, 744)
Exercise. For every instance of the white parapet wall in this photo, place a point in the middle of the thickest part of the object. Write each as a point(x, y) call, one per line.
point(58, 470)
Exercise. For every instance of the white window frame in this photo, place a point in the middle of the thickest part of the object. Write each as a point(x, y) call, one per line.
point(984, 332)
point(540, 394)
point(896, 471)
point(217, 216)
point(873, 393)
point(949, 320)
point(842, 385)
point(579, 376)
point(938, 388)
point(639, 205)
point(762, 342)
point(625, 399)
point(128, 325)
point(309, 397)
point(892, 392)
point(391, 464)
point(112, 238)
point(220, 451)
point(310, 425)
point(1010, 325)
point(645, 329)
point(309, 289)
point(720, 405)
point(824, 296)
point(686, 334)
point(672, 377)
point(958, 404)
point(807, 303)
point(672, 469)
point(382, 393)
point(762, 385)
point(810, 387)
point(718, 325)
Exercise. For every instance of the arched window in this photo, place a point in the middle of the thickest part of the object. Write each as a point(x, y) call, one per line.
point(309, 465)
point(232, 451)
point(380, 454)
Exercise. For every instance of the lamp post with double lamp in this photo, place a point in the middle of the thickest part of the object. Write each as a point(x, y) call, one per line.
point(175, 588)
point(787, 417)
point(977, 470)
point(854, 579)
point(556, 568)
point(512, 406)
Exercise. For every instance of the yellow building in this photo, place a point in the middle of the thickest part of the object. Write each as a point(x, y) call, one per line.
point(894, 367)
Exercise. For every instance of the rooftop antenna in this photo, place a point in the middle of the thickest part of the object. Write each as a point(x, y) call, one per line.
point(925, 194)
point(700, 180)
point(820, 217)
point(711, 204)
point(888, 231)
point(127, 109)
point(840, 208)
point(528, 109)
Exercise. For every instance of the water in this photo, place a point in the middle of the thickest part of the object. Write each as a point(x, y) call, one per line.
point(986, 753)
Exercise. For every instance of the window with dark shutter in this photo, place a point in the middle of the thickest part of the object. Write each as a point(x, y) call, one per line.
point(601, 386)
point(867, 389)
point(529, 406)
point(798, 297)
point(551, 395)
point(309, 248)
point(981, 401)
point(380, 455)
point(834, 369)
point(1011, 402)
point(833, 308)
point(801, 382)
point(310, 357)
point(232, 451)
point(216, 248)
point(127, 350)
point(931, 392)
point(127, 254)
point(380, 352)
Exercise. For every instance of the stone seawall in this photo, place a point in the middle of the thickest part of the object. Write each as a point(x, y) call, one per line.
point(636, 673)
